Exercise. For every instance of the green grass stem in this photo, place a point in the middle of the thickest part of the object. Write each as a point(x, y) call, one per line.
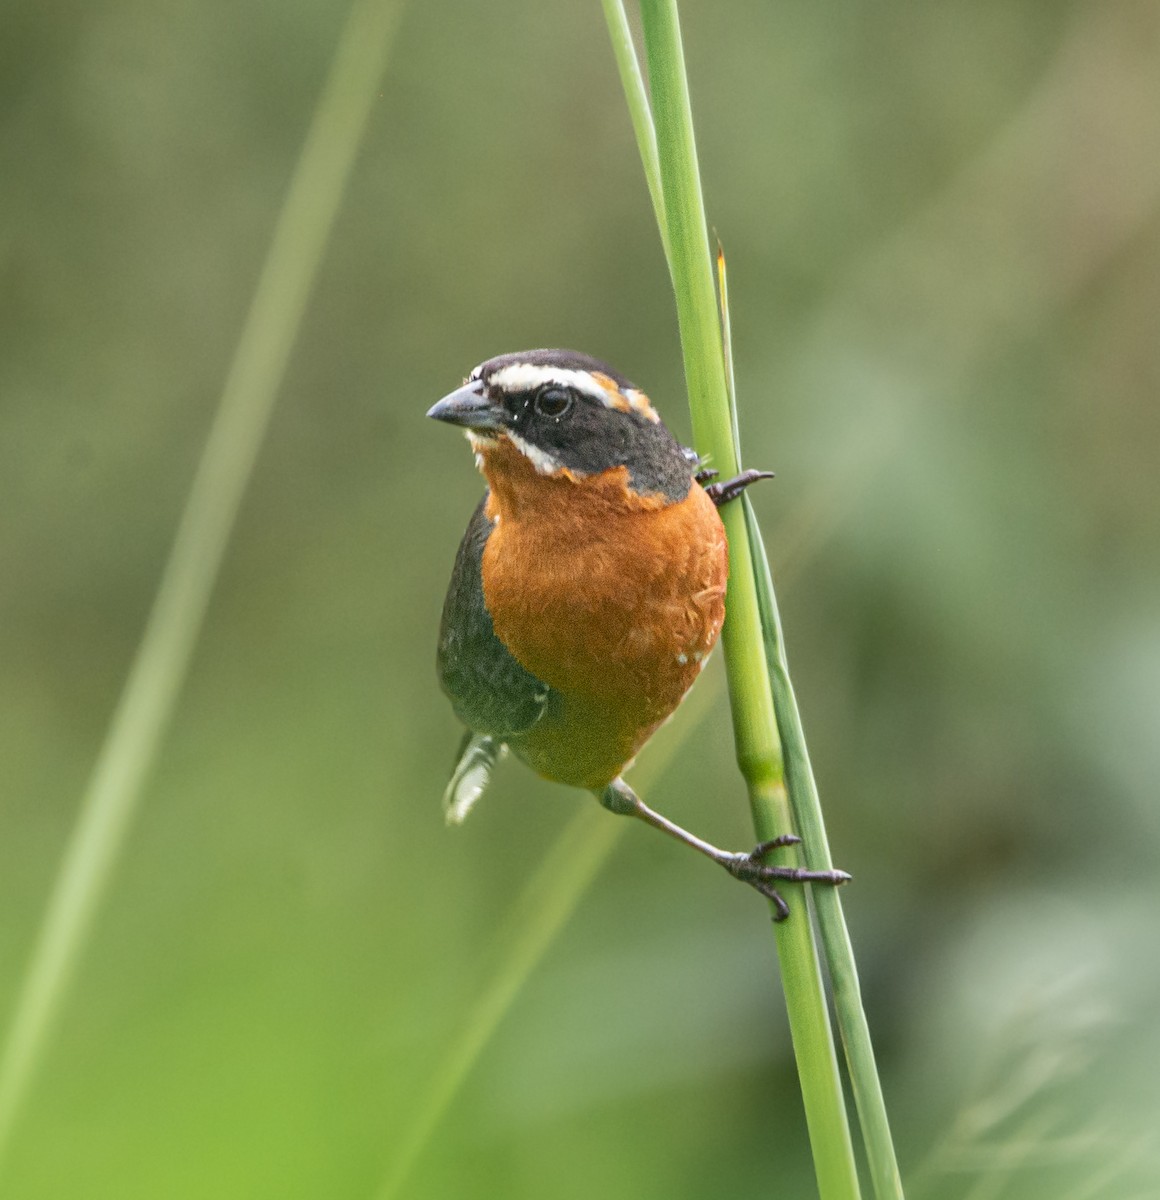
point(754, 721)
point(164, 653)
point(808, 821)
point(839, 953)
point(800, 780)
point(636, 94)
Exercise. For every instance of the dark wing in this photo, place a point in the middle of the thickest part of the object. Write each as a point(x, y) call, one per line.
point(490, 692)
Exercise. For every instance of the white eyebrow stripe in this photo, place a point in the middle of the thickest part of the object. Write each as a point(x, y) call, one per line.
point(524, 377)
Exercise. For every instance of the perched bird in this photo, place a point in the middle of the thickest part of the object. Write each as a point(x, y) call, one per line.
point(588, 590)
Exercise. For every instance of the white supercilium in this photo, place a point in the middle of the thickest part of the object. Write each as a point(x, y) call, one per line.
point(525, 377)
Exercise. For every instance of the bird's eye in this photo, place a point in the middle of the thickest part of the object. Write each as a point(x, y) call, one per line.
point(553, 401)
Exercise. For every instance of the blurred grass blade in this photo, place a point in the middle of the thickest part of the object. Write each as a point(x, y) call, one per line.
point(547, 903)
point(159, 667)
point(638, 108)
point(754, 721)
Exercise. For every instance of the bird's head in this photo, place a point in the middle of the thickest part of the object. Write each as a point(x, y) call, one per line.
point(568, 415)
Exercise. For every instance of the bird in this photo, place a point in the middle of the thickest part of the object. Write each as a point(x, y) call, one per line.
point(588, 590)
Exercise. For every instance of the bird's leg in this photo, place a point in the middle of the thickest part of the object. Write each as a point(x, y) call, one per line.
point(729, 489)
point(618, 797)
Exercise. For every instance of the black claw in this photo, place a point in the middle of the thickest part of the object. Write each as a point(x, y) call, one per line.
point(730, 489)
point(781, 909)
point(704, 475)
point(763, 848)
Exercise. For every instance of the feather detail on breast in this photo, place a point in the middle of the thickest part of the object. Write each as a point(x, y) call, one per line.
point(612, 598)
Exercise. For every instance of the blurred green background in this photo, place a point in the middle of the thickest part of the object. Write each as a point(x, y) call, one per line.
point(944, 243)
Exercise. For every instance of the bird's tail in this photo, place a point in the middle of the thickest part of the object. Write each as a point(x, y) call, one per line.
point(478, 754)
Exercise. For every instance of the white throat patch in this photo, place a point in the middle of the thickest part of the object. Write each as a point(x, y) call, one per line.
point(544, 463)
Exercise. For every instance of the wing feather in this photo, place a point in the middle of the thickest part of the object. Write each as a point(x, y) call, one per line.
point(490, 691)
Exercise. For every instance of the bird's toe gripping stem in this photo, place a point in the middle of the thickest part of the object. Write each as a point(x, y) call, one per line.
point(729, 489)
point(750, 868)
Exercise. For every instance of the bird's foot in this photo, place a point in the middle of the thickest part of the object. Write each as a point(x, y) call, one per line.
point(729, 489)
point(751, 869)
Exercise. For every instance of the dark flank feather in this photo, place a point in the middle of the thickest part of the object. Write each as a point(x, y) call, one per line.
point(490, 692)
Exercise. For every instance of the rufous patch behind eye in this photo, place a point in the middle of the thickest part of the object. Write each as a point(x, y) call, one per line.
point(613, 396)
point(641, 404)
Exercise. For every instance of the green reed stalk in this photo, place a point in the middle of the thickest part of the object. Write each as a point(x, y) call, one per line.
point(754, 721)
point(638, 109)
point(798, 772)
point(839, 953)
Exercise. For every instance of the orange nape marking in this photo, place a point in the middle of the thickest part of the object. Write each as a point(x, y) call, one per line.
point(616, 398)
point(640, 403)
point(611, 597)
point(630, 400)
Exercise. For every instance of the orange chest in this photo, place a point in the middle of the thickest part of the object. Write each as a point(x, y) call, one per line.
point(602, 592)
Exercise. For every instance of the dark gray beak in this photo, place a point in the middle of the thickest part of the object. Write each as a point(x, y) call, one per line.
point(470, 407)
